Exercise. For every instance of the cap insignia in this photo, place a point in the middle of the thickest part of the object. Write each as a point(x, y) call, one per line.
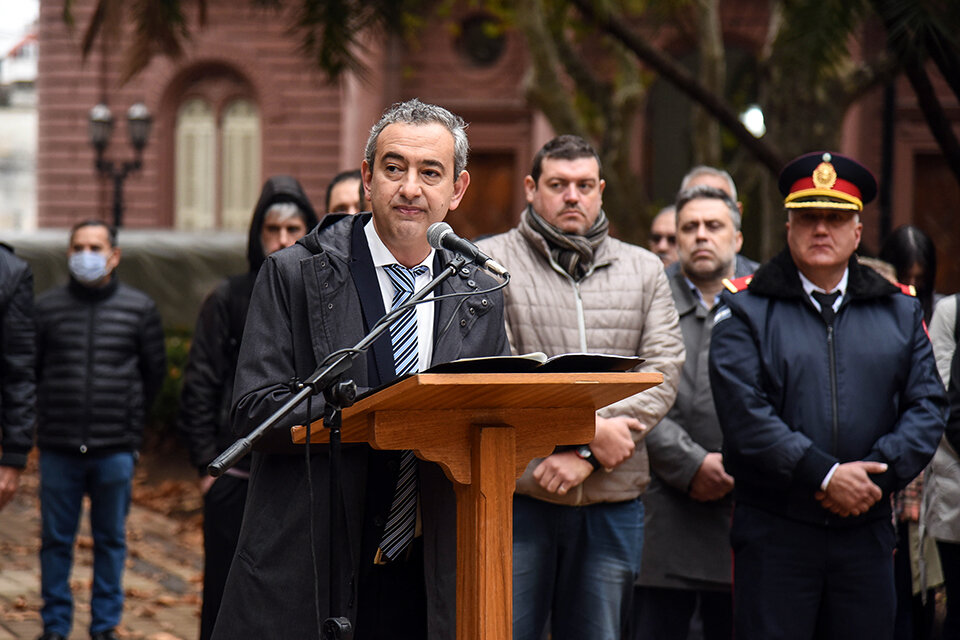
point(824, 176)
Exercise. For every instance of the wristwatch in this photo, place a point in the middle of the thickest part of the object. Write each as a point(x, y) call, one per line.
point(584, 452)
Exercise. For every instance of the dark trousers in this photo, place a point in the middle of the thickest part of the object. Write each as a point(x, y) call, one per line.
point(915, 614)
point(222, 515)
point(950, 563)
point(799, 581)
point(392, 599)
point(665, 614)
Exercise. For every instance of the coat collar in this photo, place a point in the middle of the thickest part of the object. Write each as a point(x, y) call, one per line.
point(779, 278)
point(683, 297)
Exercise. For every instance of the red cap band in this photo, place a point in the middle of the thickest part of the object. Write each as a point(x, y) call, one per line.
point(841, 185)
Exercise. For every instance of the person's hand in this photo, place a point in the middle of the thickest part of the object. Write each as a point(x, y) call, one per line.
point(9, 482)
point(613, 443)
point(560, 472)
point(851, 491)
point(711, 481)
point(205, 483)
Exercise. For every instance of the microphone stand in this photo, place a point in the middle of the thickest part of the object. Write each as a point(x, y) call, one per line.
point(338, 395)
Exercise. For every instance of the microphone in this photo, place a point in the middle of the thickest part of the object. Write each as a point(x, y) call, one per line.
point(441, 235)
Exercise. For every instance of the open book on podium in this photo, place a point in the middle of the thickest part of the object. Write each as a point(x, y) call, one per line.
point(482, 421)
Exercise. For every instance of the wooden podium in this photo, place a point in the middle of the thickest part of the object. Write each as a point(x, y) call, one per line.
point(483, 430)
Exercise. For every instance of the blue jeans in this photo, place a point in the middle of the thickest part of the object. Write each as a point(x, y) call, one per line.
point(64, 479)
point(576, 565)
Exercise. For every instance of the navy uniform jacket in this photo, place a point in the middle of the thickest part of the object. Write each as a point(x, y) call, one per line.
point(311, 299)
point(793, 398)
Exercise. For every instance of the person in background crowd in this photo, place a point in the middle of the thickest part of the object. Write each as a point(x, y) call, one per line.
point(345, 193)
point(101, 360)
point(911, 253)
point(941, 490)
point(826, 388)
point(662, 239)
point(282, 215)
point(18, 390)
point(686, 550)
point(322, 295)
point(711, 177)
point(578, 516)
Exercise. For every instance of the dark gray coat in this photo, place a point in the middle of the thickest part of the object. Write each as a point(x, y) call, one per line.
point(686, 542)
point(311, 299)
point(18, 389)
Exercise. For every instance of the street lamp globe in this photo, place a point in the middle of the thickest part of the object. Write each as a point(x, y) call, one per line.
point(101, 126)
point(138, 125)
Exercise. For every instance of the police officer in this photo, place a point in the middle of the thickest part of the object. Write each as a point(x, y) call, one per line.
point(828, 397)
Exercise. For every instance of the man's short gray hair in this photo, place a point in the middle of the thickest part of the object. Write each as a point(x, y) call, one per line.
point(706, 192)
point(416, 112)
point(702, 170)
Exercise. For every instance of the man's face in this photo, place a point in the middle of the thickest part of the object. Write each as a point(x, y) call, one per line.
point(412, 185)
point(707, 242)
point(281, 231)
point(96, 239)
point(663, 237)
point(345, 196)
point(568, 194)
point(822, 239)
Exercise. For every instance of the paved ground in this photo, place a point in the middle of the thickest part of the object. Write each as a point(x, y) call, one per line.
point(164, 561)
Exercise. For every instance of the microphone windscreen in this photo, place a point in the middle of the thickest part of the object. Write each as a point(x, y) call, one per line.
point(436, 231)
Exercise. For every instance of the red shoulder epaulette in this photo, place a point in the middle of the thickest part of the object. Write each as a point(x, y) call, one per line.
point(737, 285)
point(907, 289)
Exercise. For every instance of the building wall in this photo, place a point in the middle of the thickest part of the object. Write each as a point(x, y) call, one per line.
point(300, 113)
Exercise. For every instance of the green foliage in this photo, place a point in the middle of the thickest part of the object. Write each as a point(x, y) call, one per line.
point(162, 418)
point(817, 33)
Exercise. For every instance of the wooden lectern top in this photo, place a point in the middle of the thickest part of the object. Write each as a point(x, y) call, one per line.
point(487, 397)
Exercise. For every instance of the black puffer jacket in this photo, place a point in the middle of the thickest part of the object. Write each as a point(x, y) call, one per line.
point(204, 422)
point(18, 394)
point(100, 362)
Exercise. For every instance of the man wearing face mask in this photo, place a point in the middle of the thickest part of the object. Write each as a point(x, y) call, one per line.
point(100, 362)
point(282, 216)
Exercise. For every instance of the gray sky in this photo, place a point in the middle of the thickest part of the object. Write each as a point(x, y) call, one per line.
point(15, 16)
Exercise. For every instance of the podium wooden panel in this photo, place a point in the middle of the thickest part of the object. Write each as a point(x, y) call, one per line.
point(483, 430)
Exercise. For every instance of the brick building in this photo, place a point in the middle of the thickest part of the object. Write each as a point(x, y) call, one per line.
point(243, 104)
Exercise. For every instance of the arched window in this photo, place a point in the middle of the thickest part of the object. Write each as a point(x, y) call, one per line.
point(240, 163)
point(217, 152)
point(195, 174)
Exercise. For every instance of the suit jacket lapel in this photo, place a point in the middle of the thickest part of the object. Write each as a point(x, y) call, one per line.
point(448, 344)
point(380, 363)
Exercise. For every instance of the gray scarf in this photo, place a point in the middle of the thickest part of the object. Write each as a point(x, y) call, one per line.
point(573, 252)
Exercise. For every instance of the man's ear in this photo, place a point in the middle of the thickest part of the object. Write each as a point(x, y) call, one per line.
point(114, 259)
point(530, 188)
point(366, 177)
point(459, 189)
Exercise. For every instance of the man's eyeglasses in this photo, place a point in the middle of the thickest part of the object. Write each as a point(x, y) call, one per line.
point(655, 238)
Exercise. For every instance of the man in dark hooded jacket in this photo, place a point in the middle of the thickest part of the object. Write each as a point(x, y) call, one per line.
point(18, 389)
point(282, 216)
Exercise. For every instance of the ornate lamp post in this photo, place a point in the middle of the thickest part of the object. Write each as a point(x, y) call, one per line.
point(139, 121)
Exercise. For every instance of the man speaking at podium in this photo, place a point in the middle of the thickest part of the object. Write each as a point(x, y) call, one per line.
point(321, 295)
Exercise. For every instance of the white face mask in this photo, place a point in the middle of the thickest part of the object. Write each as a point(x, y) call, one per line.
point(88, 267)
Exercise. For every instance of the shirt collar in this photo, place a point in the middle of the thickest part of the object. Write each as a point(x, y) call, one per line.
point(699, 296)
point(809, 287)
point(381, 254)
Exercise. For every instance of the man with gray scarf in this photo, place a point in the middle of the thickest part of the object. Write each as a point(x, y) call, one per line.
point(578, 518)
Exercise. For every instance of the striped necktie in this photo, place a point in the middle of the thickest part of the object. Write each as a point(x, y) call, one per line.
point(402, 519)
